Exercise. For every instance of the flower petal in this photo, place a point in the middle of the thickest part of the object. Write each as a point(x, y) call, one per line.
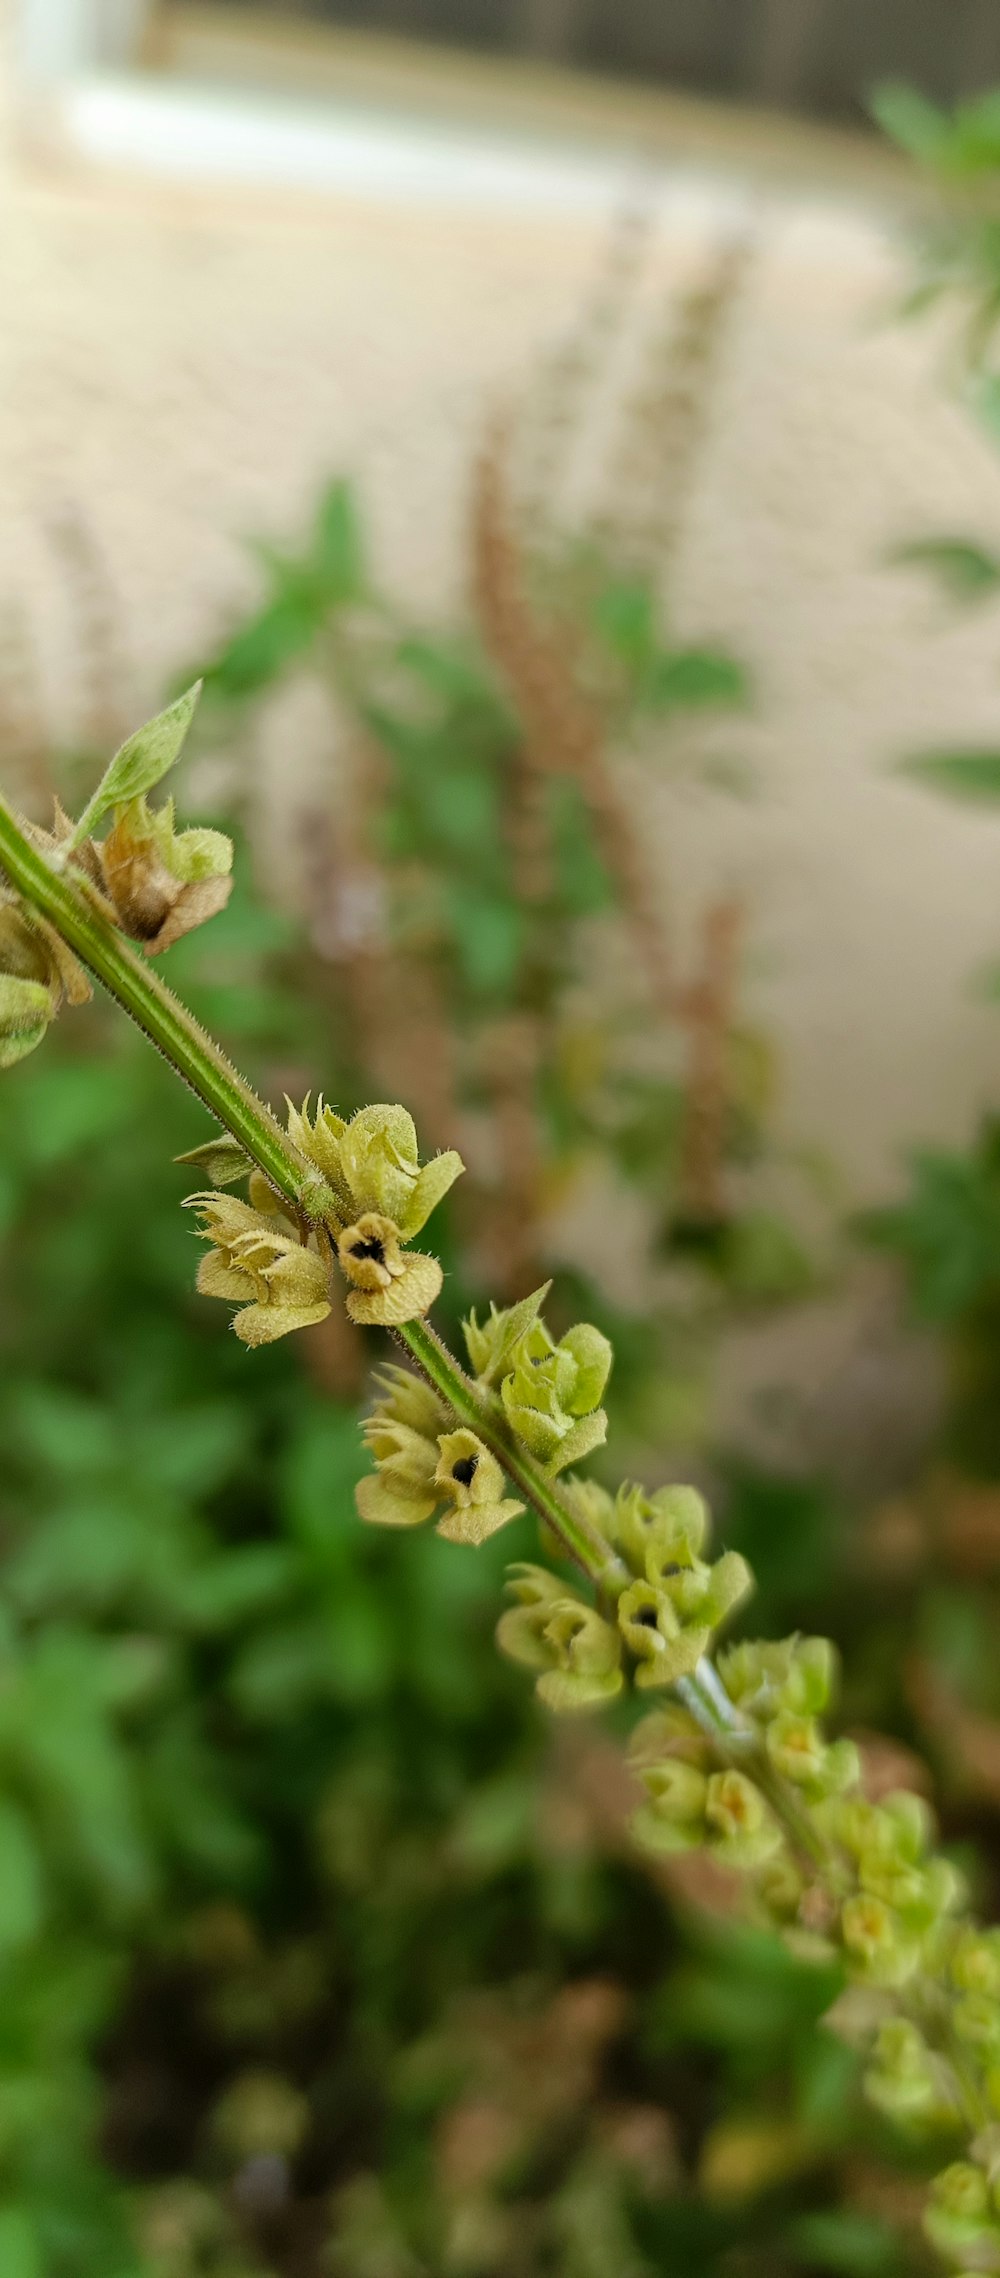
point(217, 1279)
point(381, 1508)
point(432, 1185)
point(477, 1521)
point(264, 1324)
point(405, 1300)
point(194, 905)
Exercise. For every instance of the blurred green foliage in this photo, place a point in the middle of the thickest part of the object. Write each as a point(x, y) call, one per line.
point(319, 1958)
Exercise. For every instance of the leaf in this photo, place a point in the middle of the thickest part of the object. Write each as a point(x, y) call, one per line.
point(919, 127)
point(625, 616)
point(489, 935)
point(967, 571)
point(222, 1159)
point(20, 2246)
point(984, 397)
point(693, 677)
point(857, 2245)
point(338, 550)
point(21, 1886)
point(973, 775)
point(259, 651)
point(142, 761)
point(948, 1231)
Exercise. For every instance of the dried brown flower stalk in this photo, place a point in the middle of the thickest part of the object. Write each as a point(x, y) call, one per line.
point(564, 731)
point(650, 476)
point(708, 1007)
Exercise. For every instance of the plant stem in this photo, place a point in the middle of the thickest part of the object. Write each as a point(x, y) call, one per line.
point(583, 1542)
point(739, 1743)
point(64, 898)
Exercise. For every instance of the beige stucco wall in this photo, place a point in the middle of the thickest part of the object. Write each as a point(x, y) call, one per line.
point(184, 365)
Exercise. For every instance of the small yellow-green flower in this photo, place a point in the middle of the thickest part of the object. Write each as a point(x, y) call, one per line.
point(653, 1633)
point(961, 2221)
point(471, 1480)
point(260, 1263)
point(553, 1631)
point(673, 1816)
point(402, 1435)
point(390, 1285)
point(420, 1465)
point(745, 1830)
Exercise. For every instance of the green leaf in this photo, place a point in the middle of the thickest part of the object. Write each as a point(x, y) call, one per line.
point(948, 1231)
point(21, 1885)
point(966, 571)
point(689, 678)
point(856, 2245)
point(984, 397)
point(222, 1159)
point(625, 616)
point(338, 550)
point(142, 762)
point(489, 934)
point(259, 651)
point(919, 127)
point(971, 775)
point(20, 2246)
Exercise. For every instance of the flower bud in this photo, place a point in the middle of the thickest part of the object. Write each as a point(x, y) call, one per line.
point(875, 1941)
point(26, 1009)
point(373, 1164)
point(959, 2221)
point(746, 1832)
point(902, 2079)
point(799, 1753)
point(670, 1526)
point(975, 1962)
point(673, 1817)
point(976, 2020)
point(552, 1630)
point(780, 1889)
point(550, 1393)
point(491, 1345)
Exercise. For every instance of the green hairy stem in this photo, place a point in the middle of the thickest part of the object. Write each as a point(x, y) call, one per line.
point(64, 898)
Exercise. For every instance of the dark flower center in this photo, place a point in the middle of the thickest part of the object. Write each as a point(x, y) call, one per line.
point(646, 1617)
point(465, 1469)
point(373, 1249)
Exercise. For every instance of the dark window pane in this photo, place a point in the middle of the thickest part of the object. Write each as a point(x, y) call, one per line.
point(822, 56)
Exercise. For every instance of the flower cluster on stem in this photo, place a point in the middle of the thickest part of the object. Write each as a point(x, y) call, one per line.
point(735, 1758)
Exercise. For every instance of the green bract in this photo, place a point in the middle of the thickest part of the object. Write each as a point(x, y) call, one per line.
point(551, 1393)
